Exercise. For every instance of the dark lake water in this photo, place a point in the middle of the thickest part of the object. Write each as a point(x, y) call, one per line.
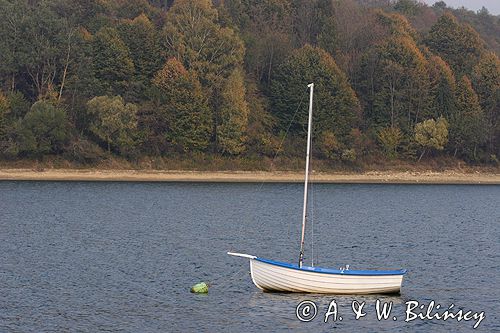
point(121, 257)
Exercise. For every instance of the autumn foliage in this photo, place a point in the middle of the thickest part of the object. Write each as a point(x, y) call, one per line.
point(140, 79)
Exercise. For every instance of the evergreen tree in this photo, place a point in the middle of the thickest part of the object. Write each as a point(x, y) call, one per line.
point(193, 35)
point(396, 25)
point(113, 66)
point(35, 47)
point(18, 105)
point(486, 81)
point(408, 7)
point(231, 134)
point(261, 140)
point(182, 116)
point(396, 84)
point(143, 41)
point(390, 139)
point(467, 126)
point(13, 17)
point(13, 108)
point(4, 111)
point(442, 88)
point(44, 129)
point(309, 16)
point(266, 28)
point(459, 45)
point(336, 106)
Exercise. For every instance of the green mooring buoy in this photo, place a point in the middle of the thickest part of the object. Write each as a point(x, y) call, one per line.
point(200, 288)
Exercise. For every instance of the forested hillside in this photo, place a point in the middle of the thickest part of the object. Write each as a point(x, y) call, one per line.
point(135, 80)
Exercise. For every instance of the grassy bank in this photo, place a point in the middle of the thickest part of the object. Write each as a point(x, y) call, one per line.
point(220, 169)
point(212, 163)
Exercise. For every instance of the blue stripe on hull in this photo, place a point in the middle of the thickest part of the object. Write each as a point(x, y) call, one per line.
point(332, 271)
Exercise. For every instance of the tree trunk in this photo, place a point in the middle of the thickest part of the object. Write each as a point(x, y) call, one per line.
point(421, 155)
point(270, 66)
point(392, 105)
point(65, 72)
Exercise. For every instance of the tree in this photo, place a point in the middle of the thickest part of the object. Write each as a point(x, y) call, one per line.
point(396, 25)
point(13, 108)
point(194, 36)
point(231, 134)
point(392, 76)
point(336, 105)
point(89, 14)
point(309, 16)
point(13, 17)
point(395, 84)
point(182, 115)
point(37, 45)
point(442, 88)
point(266, 28)
point(390, 138)
point(431, 134)
point(44, 129)
point(112, 64)
point(129, 9)
point(238, 83)
point(486, 81)
point(440, 5)
point(261, 140)
point(467, 126)
point(408, 7)
point(143, 41)
point(348, 33)
point(459, 45)
point(114, 121)
point(4, 111)
point(18, 105)
point(329, 145)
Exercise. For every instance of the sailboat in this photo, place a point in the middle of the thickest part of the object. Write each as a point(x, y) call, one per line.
point(276, 276)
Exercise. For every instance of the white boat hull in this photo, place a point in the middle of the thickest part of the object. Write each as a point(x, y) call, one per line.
point(272, 277)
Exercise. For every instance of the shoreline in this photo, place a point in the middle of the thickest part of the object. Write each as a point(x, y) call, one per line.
point(370, 177)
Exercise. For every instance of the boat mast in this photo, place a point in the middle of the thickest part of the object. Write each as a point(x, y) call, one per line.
point(304, 213)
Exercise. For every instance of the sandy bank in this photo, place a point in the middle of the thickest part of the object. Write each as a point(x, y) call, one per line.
point(383, 177)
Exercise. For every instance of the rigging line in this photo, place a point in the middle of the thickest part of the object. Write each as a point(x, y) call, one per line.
point(312, 225)
point(320, 239)
point(313, 202)
point(318, 226)
point(281, 145)
point(288, 129)
point(279, 150)
point(246, 220)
